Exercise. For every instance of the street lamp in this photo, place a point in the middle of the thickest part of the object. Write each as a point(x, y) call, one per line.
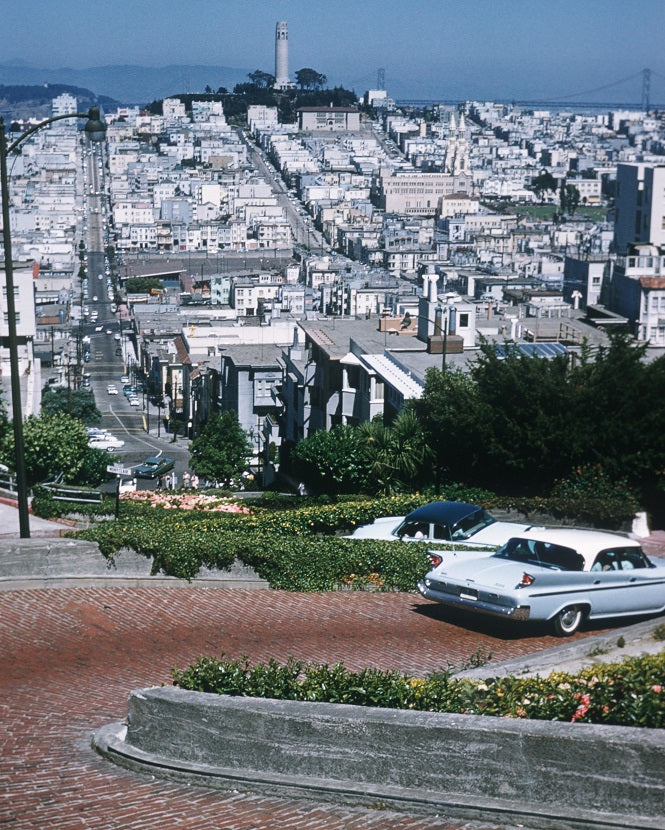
point(95, 129)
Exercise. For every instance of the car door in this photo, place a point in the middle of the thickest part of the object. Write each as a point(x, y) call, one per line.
point(622, 583)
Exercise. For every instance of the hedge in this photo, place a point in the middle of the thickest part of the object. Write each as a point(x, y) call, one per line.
point(626, 693)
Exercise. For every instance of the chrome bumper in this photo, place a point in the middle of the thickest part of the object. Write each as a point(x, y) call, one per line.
point(513, 612)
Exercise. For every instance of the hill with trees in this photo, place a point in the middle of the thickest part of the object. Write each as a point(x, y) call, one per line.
point(19, 102)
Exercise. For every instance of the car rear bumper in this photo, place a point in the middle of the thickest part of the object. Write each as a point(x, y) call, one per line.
point(431, 589)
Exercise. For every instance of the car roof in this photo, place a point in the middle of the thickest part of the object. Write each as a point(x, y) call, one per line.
point(442, 511)
point(587, 542)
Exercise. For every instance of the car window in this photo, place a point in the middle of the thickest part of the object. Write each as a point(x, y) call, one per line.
point(414, 530)
point(620, 559)
point(441, 531)
point(545, 554)
point(471, 524)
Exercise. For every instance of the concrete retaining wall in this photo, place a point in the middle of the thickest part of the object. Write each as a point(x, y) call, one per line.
point(56, 562)
point(543, 774)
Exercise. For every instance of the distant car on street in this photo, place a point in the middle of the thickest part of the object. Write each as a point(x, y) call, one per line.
point(153, 467)
point(105, 442)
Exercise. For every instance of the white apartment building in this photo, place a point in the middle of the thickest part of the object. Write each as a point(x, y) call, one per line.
point(640, 205)
point(248, 295)
point(29, 372)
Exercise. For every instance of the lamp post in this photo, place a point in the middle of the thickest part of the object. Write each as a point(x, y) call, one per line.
point(95, 129)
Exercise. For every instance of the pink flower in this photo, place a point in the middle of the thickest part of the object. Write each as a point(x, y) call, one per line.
point(657, 688)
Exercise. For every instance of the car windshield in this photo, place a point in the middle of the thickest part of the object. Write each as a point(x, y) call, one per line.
point(545, 554)
point(471, 524)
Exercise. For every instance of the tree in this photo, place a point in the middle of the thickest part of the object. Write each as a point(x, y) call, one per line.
point(331, 462)
point(524, 420)
point(569, 198)
point(453, 424)
point(93, 470)
point(79, 403)
point(142, 285)
point(310, 79)
point(53, 445)
point(395, 454)
point(221, 451)
point(545, 181)
point(264, 80)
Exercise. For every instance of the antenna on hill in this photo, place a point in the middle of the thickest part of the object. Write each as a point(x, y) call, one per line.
point(380, 78)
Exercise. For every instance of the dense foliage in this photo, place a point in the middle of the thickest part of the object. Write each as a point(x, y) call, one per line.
point(518, 424)
point(143, 285)
point(79, 403)
point(628, 693)
point(371, 458)
point(294, 544)
point(331, 462)
point(221, 451)
point(53, 445)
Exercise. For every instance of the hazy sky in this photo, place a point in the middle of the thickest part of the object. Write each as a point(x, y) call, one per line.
point(429, 48)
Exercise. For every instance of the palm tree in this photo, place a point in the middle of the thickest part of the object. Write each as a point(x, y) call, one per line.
point(396, 454)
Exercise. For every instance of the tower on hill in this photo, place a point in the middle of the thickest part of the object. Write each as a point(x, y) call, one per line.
point(282, 56)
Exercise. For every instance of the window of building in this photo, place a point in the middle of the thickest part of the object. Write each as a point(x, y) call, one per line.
point(17, 317)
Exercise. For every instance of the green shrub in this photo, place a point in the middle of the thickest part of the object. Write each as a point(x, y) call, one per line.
point(293, 549)
point(629, 693)
point(43, 504)
point(589, 495)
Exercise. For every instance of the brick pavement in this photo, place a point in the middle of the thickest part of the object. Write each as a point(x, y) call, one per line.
point(69, 657)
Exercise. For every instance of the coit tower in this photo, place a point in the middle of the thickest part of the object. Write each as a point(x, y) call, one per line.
point(282, 56)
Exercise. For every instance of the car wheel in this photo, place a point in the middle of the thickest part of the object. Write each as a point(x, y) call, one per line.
point(567, 621)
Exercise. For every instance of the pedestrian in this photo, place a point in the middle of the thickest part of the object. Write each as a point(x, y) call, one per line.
point(194, 481)
point(301, 488)
point(185, 479)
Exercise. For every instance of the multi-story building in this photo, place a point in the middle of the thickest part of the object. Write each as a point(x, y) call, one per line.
point(328, 119)
point(413, 193)
point(640, 205)
point(637, 292)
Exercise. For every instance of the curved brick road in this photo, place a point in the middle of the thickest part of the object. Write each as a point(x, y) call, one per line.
point(69, 657)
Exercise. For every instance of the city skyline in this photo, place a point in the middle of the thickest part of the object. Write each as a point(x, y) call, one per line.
point(522, 49)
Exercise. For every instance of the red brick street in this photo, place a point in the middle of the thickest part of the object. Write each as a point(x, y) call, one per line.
point(70, 656)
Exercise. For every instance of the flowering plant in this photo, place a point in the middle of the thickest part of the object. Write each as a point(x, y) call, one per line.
point(184, 501)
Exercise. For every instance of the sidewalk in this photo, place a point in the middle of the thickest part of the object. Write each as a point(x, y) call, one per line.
point(9, 522)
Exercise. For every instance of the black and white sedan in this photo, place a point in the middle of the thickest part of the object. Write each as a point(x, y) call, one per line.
point(454, 522)
point(559, 575)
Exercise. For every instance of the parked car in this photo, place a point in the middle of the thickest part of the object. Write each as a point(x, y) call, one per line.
point(105, 442)
point(154, 467)
point(443, 521)
point(559, 575)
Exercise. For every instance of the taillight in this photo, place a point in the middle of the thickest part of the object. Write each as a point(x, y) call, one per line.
point(435, 558)
point(526, 580)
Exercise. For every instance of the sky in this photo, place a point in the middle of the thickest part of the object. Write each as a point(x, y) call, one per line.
point(470, 49)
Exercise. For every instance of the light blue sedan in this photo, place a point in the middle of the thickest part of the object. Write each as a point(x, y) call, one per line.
point(559, 575)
